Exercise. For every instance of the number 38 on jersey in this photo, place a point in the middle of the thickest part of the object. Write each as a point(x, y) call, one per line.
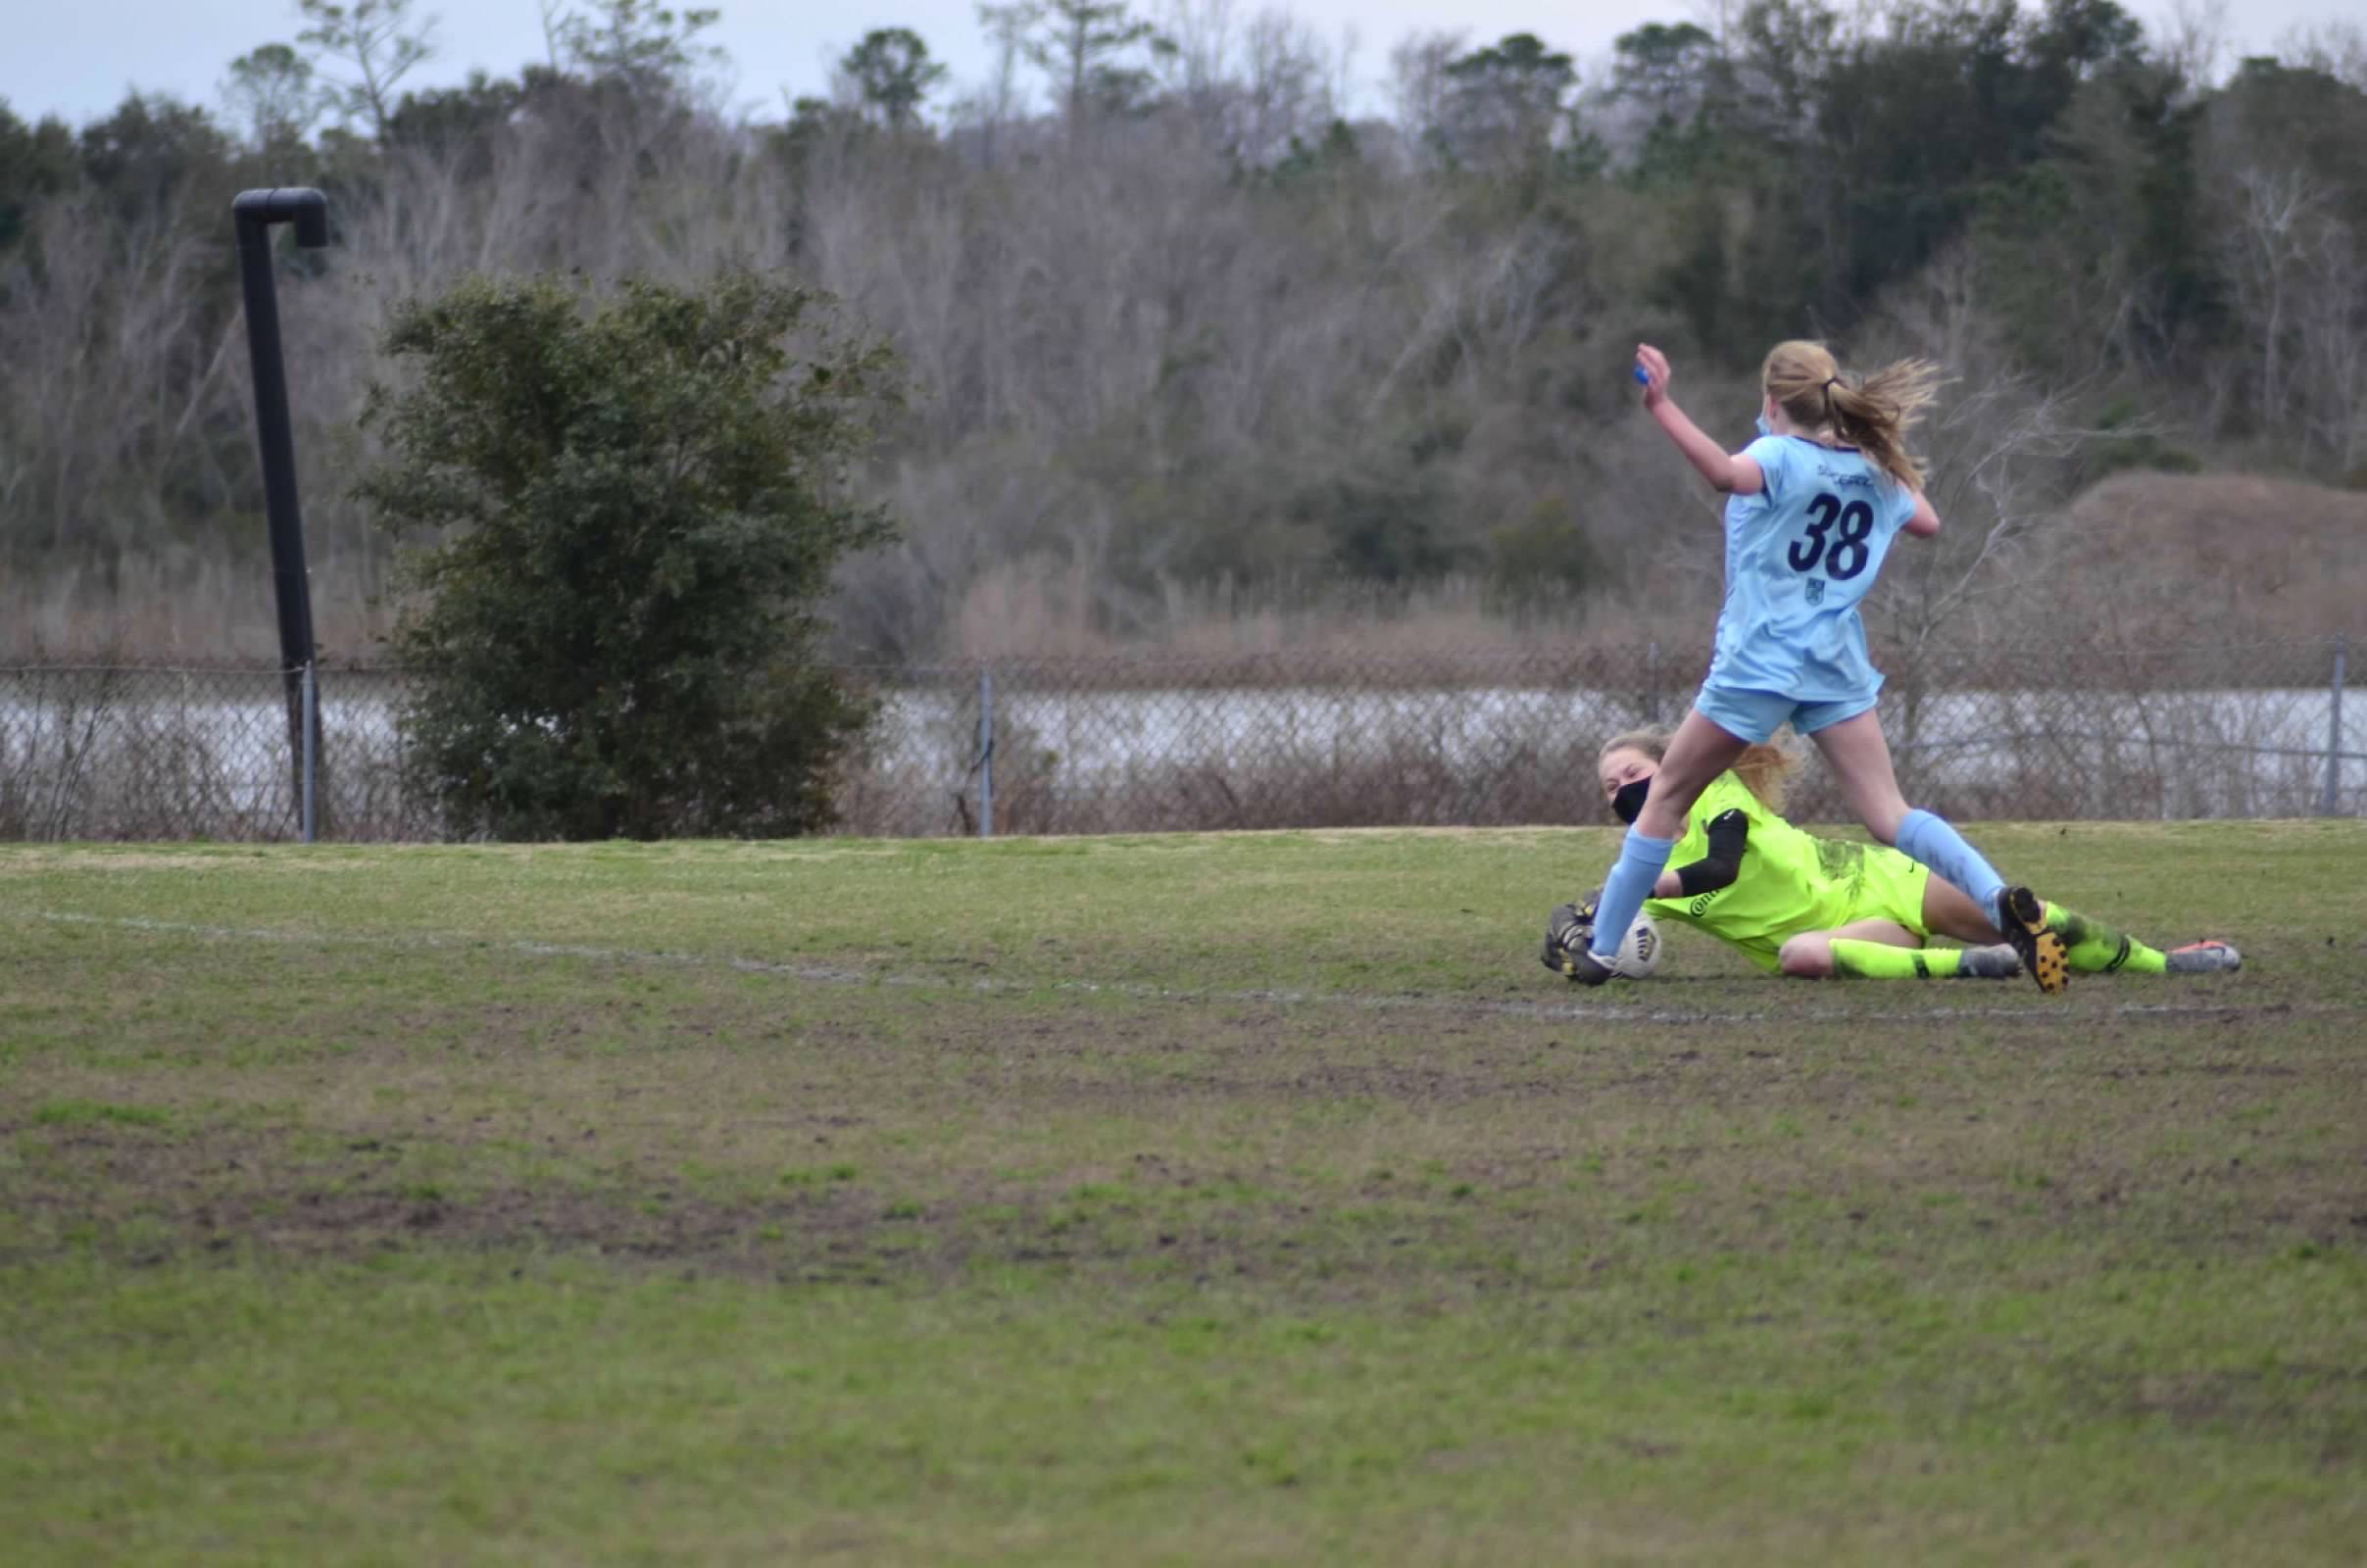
point(1836, 536)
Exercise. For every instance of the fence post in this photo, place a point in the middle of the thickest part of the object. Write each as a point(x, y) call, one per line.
point(986, 752)
point(2333, 728)
point(312, 751)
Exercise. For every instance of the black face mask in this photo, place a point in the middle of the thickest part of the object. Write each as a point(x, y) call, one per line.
point(1629, 802)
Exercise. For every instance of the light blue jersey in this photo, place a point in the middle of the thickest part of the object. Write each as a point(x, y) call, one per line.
point(1798, 556)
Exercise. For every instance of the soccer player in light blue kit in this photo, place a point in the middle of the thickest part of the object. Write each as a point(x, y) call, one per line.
point(1813, 506)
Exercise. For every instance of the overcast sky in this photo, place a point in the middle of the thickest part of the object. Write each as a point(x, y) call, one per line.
point(76, 60)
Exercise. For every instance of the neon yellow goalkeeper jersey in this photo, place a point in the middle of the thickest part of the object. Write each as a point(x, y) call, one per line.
point(1790, 881)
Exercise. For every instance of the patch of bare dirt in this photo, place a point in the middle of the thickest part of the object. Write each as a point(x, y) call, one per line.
point(147, 1196)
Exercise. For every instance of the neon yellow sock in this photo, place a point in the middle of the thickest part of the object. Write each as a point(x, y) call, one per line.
point(1879, 960)
point(2094, 948)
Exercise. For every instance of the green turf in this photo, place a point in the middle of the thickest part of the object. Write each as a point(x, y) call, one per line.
point(1195, 1200)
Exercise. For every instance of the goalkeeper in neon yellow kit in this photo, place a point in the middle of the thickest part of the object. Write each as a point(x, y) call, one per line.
point(1802, 906)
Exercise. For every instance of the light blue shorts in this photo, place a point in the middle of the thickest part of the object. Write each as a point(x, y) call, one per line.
point(1757, 715)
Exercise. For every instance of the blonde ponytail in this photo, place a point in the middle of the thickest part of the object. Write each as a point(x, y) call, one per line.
point(1874, 416)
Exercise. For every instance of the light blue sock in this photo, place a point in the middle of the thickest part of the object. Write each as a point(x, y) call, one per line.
point(1927, 838)
point(1624, 891)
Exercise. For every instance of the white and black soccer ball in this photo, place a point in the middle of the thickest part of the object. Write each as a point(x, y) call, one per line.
point(1639, 953)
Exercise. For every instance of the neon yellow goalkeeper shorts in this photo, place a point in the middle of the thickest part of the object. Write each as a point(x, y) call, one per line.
point(1892, 889)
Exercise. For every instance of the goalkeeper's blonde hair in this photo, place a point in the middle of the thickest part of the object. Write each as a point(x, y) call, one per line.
point(1766, 770)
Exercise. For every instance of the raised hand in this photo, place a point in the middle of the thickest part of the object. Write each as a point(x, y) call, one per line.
point(1653, 369)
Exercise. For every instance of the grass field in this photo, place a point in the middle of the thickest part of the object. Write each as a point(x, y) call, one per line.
point(1193, 1200)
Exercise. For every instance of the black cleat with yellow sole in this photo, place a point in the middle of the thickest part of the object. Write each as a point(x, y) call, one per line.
point(2036, 942)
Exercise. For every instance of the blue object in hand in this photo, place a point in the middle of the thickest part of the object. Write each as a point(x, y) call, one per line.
point(1641, 378)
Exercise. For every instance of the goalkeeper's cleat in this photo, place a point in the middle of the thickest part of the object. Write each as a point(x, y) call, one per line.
point(1570, 928)
point(1581, 967)
point(1997, 961)
point(2040, 947)
point(1569, 932)
point(2208, 957)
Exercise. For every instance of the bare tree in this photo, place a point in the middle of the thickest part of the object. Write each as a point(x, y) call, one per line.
point(1097, 53)
point(379, 41)
point(2267, 249)
point(2194, 44)
point(2334, 343)
point(1419, 87)
point(999, 100)
point(1287, 88)
point(2337, 48)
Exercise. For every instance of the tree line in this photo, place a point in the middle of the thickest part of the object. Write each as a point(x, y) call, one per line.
point(1181, 323)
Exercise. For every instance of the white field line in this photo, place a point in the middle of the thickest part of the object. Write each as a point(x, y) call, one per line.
point(1463, 1007)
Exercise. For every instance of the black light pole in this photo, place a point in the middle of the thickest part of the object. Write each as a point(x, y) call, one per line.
point(255, 212)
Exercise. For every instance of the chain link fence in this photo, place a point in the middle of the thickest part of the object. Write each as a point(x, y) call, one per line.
point(198, 751)
point(1287, 740)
